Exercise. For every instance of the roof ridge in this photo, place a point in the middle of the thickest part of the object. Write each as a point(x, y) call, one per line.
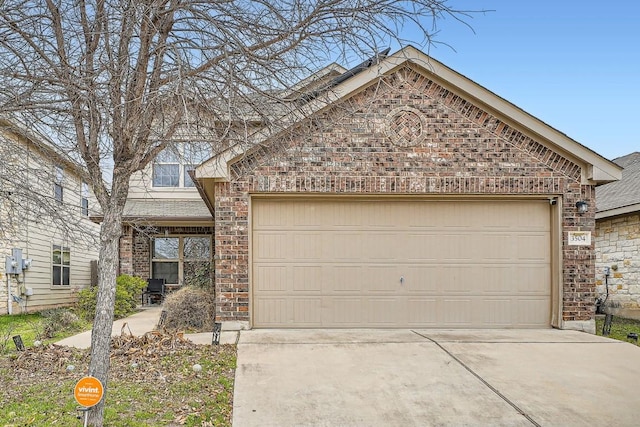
point(628, 159)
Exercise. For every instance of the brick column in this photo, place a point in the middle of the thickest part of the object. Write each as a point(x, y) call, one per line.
point(125, 265)
point(141, 255)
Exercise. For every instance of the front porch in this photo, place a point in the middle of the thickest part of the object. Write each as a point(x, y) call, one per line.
point(179, 255)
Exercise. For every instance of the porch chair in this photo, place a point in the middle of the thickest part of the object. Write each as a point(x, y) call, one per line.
point(154, 290)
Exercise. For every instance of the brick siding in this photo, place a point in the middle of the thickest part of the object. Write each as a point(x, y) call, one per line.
point(404, 135)
point(125, 265)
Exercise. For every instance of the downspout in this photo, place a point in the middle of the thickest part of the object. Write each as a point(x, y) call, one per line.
point(9, 303)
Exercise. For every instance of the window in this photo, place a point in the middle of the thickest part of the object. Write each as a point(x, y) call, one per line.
point(166, 169)
point(84, 199)
point(197, 261)
point(57, 184)
point(61, 265)
point(182, 260)
point(166, 259)
point(58, 192)
point(171, 167)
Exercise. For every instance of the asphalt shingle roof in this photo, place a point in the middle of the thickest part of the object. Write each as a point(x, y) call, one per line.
point(161, 208)
point(621, 193)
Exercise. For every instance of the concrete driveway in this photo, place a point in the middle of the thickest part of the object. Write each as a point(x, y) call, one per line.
point(435, 378)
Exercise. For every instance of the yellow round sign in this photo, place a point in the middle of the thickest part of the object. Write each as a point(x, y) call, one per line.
point(88, 391)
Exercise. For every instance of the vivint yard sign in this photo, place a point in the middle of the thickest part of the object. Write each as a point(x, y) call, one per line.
point(579, 238)
point(88, 391)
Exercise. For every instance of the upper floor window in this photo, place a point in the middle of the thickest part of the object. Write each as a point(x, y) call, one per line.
point(58, 190)
point(84, 199)
point(171, 167)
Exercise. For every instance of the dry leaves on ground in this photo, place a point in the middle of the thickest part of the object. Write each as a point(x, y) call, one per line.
point(152, 382)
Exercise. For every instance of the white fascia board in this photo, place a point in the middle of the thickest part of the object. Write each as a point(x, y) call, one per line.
point(601, 176)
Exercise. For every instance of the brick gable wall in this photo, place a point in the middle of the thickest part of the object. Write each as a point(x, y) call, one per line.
point(403, 135)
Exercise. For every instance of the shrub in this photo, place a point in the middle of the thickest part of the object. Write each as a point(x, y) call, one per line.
point(128, 289)
point(86, 303)
point(191, 309)
point(57, 320)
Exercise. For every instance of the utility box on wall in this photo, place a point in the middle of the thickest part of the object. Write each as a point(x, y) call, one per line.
point(13, 263)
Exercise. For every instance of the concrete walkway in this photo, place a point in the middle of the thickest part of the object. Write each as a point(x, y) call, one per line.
point(139, 324)
point(435, 378)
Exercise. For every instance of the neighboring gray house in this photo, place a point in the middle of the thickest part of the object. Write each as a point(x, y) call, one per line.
point(45, 206)
point(617, 237)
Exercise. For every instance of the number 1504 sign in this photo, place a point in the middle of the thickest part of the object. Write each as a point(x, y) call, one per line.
point(579, 238)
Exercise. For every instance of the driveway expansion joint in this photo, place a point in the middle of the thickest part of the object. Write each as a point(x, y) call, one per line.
point(482, 380)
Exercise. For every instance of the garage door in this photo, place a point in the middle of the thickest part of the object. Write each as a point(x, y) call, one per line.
point(345, 263)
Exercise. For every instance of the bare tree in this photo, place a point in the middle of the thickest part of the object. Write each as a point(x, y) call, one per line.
point(113, 81)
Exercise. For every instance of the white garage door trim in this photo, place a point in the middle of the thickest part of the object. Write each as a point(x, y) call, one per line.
point(417, 256)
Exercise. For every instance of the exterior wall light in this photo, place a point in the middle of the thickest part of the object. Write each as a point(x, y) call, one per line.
point(582, 207)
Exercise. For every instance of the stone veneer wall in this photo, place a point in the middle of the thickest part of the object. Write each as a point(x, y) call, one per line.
point(618, 247)
point(450, 147)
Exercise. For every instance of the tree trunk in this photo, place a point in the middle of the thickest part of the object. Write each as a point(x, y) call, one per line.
point(110, 232)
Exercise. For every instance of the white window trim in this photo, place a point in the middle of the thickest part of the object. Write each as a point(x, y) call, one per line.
point(182, 166)
point(63, 248)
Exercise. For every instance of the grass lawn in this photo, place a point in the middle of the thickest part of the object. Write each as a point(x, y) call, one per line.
point(25, 325)
point(620, 327)
point(152, 382)
point(46, 327)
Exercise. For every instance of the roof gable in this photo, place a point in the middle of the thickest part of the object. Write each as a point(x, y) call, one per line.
point(458, 91)
point(23, 135)
point(374, 123)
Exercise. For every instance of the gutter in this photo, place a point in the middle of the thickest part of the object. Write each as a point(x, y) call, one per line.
point(622, 210)
point(200, 188)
